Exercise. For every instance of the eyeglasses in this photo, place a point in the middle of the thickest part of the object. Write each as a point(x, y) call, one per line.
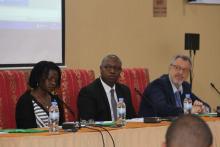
point(115, 68)
point(179, 68)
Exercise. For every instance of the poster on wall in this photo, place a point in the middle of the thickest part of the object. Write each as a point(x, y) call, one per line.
point(205, 1)
point(159, 8)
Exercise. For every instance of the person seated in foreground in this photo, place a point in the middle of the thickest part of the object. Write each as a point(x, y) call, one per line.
point(188, 131)
point(164, 96)
point(32, 108)
point(98, 100)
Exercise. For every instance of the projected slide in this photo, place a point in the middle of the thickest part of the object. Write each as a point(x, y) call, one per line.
point(205, 1)
point(31, 30)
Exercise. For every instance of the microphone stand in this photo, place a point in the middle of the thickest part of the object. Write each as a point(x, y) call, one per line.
point(213, 86)
point(149, 102)
point(155, 119)
point(218, 107)
point(67, 125)
point(67, 106)
point(191, 71)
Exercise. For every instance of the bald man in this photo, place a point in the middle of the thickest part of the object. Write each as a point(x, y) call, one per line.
point(188, 131)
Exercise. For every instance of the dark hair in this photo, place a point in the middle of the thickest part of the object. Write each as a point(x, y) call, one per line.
point(190, 131)
point(41, 70)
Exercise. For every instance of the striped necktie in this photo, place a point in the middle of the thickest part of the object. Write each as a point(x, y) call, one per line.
point(178, 99)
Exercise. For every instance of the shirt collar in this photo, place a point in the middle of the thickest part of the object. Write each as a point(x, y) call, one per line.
point(106, 87)
point(174, 87)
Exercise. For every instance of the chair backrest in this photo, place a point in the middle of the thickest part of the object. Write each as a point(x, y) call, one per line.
point(71, 83)
point(13, 83)
point(135, 78)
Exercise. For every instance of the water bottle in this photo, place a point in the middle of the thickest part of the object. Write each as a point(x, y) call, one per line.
point(121, 113)
point(54, 116)
point(187, 104)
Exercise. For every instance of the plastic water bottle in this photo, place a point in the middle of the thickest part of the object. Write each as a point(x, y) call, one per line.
point(187, 104)
point(121, 112)
point(54, 116)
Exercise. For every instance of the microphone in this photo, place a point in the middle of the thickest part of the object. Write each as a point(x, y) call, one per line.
point(155, 119)
point(213, 86)
point(149, 102)
point(68, 126)
point(218, 107)
point(54, 92)
point(67, 106)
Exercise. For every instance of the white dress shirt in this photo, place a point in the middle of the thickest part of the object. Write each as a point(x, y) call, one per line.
point(108, 93)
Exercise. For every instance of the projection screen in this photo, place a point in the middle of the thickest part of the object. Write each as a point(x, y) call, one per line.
point(31, 31)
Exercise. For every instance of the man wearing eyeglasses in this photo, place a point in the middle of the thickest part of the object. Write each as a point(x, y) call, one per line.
point(98, 100)
point(164, 96)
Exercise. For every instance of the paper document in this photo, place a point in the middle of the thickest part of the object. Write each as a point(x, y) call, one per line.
point(135, 120)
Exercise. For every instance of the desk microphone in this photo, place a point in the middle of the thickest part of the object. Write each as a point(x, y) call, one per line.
point(67, 106)
point(146, 98)
point(155, 119)
point(68, 126)
point(218, 107)
point(213, 86)
point(61, 100)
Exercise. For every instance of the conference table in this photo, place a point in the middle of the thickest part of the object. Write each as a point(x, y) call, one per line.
point(134, 134)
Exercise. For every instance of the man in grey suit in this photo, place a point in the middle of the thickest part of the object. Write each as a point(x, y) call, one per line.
point(99, 99)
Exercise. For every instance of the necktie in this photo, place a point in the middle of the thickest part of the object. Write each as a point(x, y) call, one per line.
point(114, 104)
point(178, 99)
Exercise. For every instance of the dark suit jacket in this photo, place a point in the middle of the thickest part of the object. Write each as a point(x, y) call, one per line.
point(93, 102)
point(159, 100)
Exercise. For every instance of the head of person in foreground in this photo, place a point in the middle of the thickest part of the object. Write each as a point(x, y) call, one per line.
point(188, 131)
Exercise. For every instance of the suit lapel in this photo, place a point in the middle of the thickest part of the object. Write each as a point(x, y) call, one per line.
point(118, 92)
point(170, 91)
point(104, 96)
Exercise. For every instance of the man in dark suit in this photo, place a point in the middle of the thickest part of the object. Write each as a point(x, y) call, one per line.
point(98, 100)
point(159, 98)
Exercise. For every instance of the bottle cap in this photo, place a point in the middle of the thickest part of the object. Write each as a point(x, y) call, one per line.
point(121, 99)
point(187, 95)
point(54, 102)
